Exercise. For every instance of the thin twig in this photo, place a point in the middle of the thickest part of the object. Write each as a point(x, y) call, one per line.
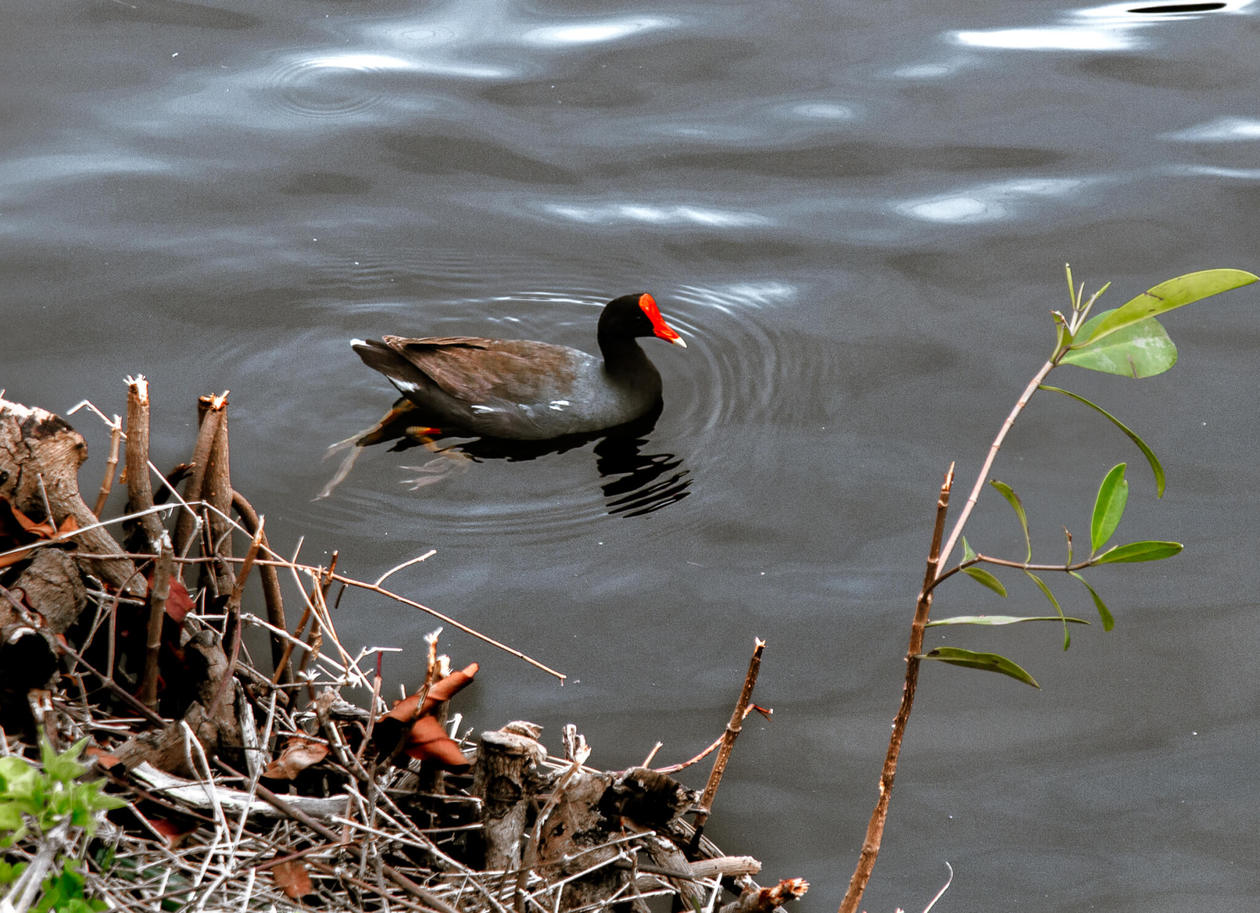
point(111, 465)
point(446, 619)
point(159, 593)
point(733, 729)
point(712, 747)
point(983, 475)
point(233, 612)
point(875, 827)
point(272, 596)
point(1020, 565)
point(201, 456)
point(408, 563)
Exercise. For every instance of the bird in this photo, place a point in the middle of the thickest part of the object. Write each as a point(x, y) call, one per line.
point(522, 390)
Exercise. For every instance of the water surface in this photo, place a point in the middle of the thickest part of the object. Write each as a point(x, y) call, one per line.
point(858, 216)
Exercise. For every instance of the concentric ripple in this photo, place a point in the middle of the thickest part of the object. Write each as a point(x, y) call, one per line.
point(747, 368)
point(332, 85)
point(467, 490)
point(748, 362)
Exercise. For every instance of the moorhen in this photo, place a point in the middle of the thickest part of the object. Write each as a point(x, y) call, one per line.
point(524, 390)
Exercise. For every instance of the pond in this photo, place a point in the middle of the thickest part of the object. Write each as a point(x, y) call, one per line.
point(857, 215)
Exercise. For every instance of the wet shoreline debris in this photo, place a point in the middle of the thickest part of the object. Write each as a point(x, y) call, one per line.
point(250, 781)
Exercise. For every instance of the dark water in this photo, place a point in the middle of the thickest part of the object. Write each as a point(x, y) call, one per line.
point(857, 214)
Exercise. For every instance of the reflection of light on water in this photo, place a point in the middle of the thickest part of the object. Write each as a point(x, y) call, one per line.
point(1236, 174)
point(364, 63)
point(1221, 130)
point(954, 209)
point(817, 110)
point(19, 174)
point(1061, 38)
point(1111, 27)
point(989, 202)
point(927, 70)
point(739, 296)
point(597, 32)
point(595, 213)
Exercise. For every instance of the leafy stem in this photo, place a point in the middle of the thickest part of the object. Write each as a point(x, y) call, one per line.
point(1126, 341)
point(1068, 329)
point(1018, 565)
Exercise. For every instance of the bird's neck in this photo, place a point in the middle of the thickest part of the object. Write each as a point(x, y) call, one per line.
point(621, 354)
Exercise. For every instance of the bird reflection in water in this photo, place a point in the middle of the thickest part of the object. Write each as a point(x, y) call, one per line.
point(637, 483)
point(646, 481)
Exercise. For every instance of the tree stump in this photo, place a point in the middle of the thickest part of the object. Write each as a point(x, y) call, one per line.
point(505, 776)
point(40, 456)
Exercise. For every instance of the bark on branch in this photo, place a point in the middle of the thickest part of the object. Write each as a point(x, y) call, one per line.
point(40, 456)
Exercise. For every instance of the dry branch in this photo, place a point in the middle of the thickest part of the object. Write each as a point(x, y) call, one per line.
point(139, 485)
point(159, 592)
point(733, 729)
point(366, 834)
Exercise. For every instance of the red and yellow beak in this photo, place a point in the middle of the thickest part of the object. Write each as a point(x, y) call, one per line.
point(663, 330)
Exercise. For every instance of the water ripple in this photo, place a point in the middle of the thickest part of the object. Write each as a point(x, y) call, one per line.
point(1049, 38)
point(1111, 27)
point(331, 85)
point(1221, 130)
point(605, 212)
point(991, 202)
point(746, 364)
point(596, 31)
point(548, 492)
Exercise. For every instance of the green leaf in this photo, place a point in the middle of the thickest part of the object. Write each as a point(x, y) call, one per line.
point(1107, 621)
point(1166, 296)
point(1009, 493)
point(1062, 335)
point(989, 662)
point(1141, 349)
point(64, 766)
point(18, 779)
point(1000, 619)
point(1156, 468)
point(1147, 550)
point(1113, 494)
point(11, 872)
point(980, 575)
point(1045, 590)
point(10, 816)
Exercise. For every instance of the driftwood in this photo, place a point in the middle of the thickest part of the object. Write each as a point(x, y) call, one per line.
point(194, 794)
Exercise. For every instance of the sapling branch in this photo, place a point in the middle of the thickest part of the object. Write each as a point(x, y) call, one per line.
point(1017, 565)
point(1136, 346)
point(914, 653)
point(1065, 340)
point(1007, 424)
